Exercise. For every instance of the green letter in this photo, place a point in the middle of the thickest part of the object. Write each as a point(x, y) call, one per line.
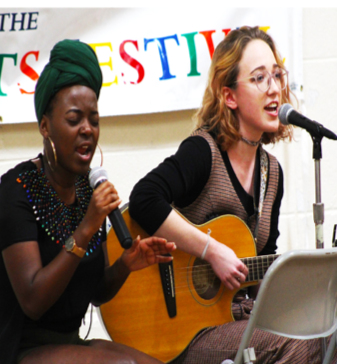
point(193, 54)
point(2, 57)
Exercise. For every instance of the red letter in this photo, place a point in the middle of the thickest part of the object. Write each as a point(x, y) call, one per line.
point(28, 71)
point(226, 31)
point(131, 61)
point(208, 36)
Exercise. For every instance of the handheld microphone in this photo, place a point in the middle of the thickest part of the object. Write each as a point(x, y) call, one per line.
point(97, 176)
point(288, 115)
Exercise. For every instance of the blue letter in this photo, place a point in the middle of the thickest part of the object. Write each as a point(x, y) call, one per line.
point(2, 17)
point(31, 20)
point(163, 55)
point(18, 21)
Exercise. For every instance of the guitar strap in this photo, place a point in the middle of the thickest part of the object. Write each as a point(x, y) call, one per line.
point(263, 186)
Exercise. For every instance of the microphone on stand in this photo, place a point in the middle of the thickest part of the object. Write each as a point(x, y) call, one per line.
point(288, 115)
point(97, 176)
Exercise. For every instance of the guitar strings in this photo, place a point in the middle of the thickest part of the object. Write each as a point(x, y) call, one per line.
point(185, 277)
point(206, 269)
point(257, 267)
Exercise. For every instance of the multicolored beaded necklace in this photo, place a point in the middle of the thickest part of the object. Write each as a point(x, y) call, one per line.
point(57, 219)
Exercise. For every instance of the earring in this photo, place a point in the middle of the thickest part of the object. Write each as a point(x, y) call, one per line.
point(54, 152)
point(100, 150)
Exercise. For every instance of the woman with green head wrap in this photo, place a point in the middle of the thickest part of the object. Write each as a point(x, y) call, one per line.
point(71, 63)
point(54, 260)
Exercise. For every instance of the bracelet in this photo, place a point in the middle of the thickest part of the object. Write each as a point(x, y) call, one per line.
point(206, 247)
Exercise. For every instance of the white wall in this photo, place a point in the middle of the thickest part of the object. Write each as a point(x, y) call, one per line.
point(320, 91)
point(135, 144)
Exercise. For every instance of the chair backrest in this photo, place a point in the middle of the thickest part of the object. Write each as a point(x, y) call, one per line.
point(298, 295)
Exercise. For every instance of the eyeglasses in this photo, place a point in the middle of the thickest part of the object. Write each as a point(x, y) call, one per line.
point(263, 79)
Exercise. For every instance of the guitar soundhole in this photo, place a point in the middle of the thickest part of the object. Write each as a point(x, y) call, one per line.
point(205, 282)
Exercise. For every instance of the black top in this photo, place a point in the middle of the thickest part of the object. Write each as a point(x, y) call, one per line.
point(30, 210)
point(181, 178)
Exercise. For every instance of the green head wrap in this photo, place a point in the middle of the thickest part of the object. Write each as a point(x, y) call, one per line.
point(71, 63)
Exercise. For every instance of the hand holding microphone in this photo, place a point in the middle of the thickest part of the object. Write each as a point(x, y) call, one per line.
point(288, 115)
point(97, 176)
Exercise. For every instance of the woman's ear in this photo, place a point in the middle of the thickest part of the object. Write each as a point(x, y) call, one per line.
point(229, 98)
point(44, 127)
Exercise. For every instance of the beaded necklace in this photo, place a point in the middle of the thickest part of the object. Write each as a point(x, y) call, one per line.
point(56, 218)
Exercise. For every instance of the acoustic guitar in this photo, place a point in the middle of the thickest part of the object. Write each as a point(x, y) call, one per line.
point(160, 309)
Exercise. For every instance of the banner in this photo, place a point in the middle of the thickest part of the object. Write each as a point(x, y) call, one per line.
point(152, 59)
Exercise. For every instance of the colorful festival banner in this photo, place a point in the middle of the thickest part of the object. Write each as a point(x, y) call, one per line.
point(152, 59)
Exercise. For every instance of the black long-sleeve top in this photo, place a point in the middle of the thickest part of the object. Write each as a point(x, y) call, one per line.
point(181, 178)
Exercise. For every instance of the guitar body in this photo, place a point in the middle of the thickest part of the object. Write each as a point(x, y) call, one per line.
point(137, 316)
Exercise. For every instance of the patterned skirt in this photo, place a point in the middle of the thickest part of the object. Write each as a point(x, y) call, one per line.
point(215, 344)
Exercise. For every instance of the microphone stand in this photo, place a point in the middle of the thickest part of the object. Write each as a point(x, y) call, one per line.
point(318, 209)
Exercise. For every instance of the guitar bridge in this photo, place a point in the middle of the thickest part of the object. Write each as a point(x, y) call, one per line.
point(167, 282)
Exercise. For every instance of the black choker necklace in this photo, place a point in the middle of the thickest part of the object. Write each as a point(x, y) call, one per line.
point(250, 142)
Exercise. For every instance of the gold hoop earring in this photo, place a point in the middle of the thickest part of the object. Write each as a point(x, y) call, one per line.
point(100, 150)
point(54, 152)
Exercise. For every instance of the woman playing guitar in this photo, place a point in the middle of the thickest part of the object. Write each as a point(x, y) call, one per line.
point(220, 169)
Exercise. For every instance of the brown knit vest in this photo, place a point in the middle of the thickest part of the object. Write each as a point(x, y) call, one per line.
point(219, 196)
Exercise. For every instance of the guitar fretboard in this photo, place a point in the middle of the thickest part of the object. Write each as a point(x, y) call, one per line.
point(258, 266)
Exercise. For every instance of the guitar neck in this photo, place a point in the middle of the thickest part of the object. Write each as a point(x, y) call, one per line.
point(258, 266)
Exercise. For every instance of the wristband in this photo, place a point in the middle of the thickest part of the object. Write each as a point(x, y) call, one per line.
point(206, 247)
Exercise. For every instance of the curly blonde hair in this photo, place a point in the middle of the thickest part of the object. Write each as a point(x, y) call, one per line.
point(214, 115)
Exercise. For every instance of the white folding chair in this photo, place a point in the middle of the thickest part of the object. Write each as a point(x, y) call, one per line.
point(297, 299)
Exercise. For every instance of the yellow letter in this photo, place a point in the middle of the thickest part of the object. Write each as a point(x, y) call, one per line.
point(264, 28)
point(109, 63)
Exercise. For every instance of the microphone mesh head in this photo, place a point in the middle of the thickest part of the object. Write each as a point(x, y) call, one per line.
point(283, 113)
point(97, 174)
